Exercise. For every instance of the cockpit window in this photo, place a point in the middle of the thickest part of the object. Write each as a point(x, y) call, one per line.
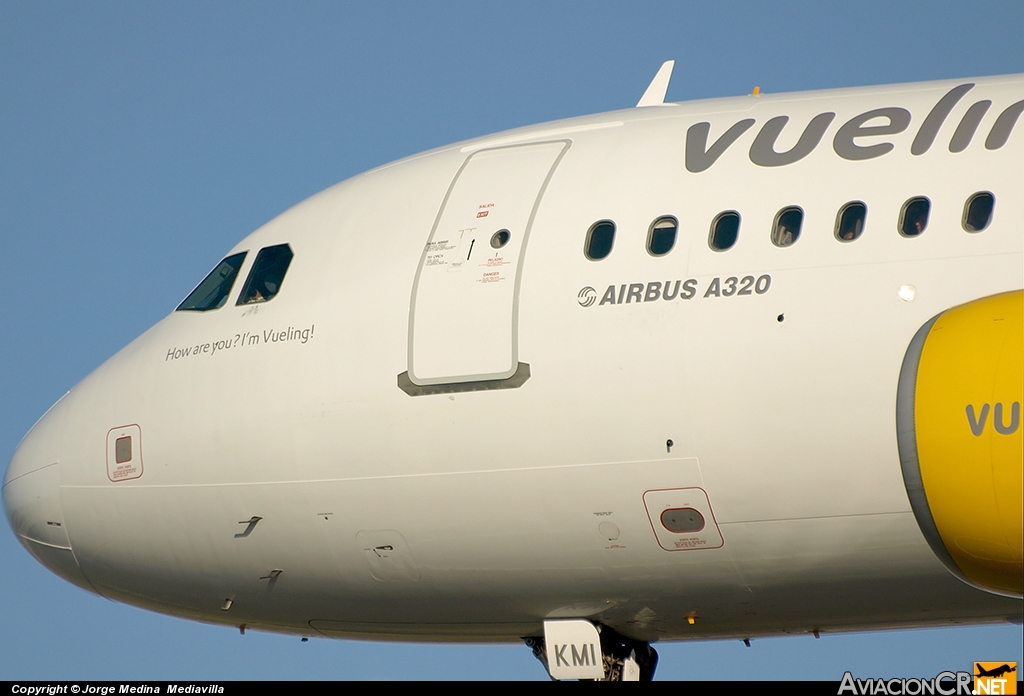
point(215, 288)
point(266, 275)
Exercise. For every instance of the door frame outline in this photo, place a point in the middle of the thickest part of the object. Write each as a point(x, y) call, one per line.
point(520, 372)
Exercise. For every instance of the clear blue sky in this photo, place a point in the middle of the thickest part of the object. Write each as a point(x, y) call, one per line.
point(140, 141)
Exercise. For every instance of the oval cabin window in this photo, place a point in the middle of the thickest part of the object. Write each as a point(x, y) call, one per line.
point(787, 226)
point(914, 218)
point(978, 211)
point(600, 239)
point(662, 236)
point(724, 231)
point(850, 221)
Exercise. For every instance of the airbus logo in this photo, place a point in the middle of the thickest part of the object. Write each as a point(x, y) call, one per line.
point(627, 293)
point(587, 296)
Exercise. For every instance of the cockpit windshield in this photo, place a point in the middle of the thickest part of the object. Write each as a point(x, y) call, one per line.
point(213, 292)
point(267, 274)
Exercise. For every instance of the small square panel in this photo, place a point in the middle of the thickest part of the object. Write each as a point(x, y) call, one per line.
point(682, 519)
point(124, 453)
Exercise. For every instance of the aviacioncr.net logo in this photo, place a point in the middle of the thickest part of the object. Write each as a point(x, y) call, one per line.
point(943, 684)
point(587, 296)
point(995, 678)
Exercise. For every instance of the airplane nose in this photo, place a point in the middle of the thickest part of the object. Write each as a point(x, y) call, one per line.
point(31, 497)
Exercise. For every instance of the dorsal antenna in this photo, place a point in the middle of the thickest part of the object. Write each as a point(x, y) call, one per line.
point(655, 94)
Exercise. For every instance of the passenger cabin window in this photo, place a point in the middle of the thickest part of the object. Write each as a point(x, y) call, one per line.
point(599, 240)
point(787, 226)
point(267, 274)
point(978, 211)
point(662, 236)
point(215, 288)
point(724, 230)
point(850, 221)
point(914, 218)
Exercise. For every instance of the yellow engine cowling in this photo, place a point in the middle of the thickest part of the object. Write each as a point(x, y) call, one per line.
point(961, 440)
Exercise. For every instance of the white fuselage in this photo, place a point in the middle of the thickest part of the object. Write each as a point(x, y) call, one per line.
point(474, 514)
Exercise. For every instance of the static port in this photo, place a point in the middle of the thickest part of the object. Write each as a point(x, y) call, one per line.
point(682, 520)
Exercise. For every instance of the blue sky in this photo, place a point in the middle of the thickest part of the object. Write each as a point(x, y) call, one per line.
point(140, 141)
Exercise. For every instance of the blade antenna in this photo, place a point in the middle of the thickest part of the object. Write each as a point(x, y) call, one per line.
point(655, 94)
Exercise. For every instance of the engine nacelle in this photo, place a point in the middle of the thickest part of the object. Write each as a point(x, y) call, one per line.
point(961, 444)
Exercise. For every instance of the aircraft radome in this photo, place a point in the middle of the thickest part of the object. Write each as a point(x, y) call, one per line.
point(721, 369)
